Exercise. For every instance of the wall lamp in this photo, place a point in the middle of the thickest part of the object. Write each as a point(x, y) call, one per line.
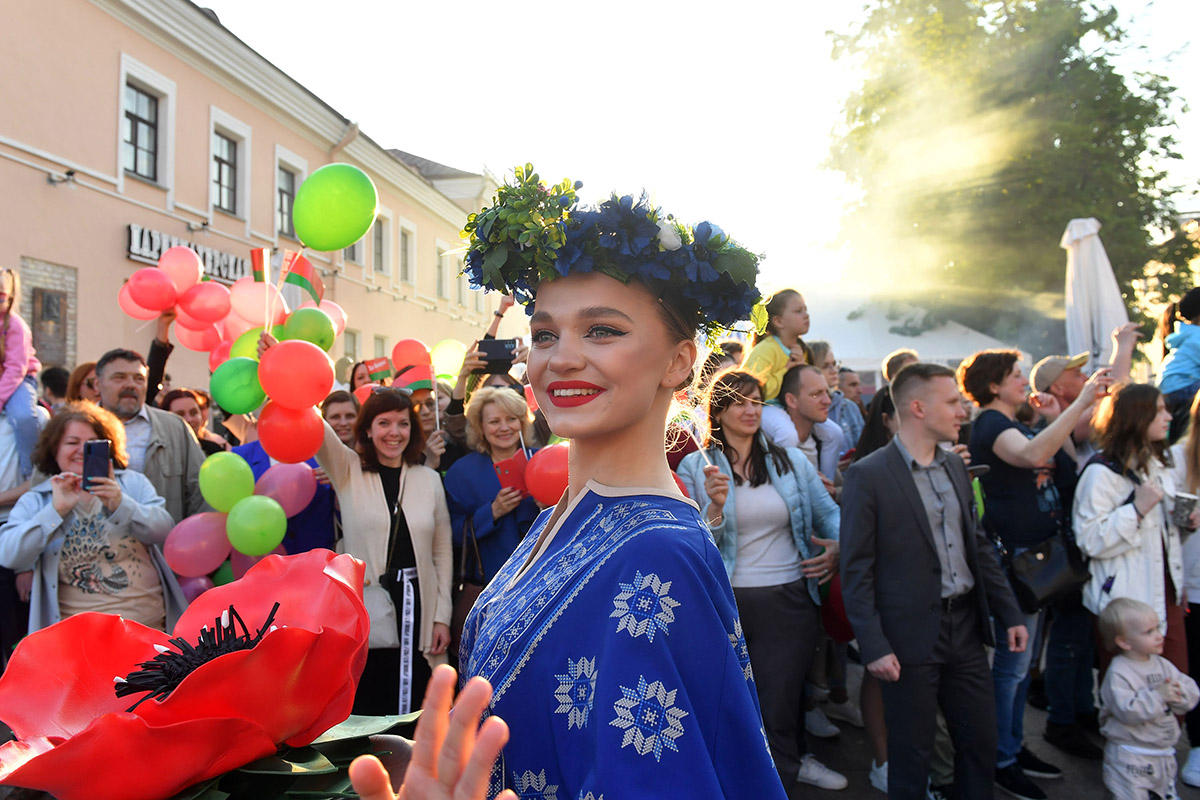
point(55, 180)
point(193, 227)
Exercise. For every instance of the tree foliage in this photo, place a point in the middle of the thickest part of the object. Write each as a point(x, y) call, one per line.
point(982, 127)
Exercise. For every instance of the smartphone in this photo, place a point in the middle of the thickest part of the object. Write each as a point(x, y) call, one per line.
point(96, 459)
point(498, 353)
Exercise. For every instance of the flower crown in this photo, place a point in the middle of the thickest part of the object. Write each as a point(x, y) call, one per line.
point(532, 233)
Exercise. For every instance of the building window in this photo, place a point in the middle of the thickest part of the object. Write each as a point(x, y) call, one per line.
point(353, 253)
point(350, 345)
point(380, 347)
point(441, 273)
point(405, 269)
point(478, 300)
point(378, 247)
point(141, 133)
point(224, 172)
point(461, 290)
point(287, 196)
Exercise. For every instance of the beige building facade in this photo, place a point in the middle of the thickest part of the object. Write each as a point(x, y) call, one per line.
point(129, 126)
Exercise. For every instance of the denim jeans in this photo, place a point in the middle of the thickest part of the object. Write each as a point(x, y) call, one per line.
point(21, 409)
point(1070, 651)
point(1010, 679)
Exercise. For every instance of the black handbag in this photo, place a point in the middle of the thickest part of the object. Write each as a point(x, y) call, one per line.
point(1046, 572)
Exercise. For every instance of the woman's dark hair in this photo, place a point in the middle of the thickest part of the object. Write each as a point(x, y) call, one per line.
point(728, 388)
point(1120, 425)
point(774, 306)
point(1187, 308)
point(977, 373)
point(175, 394)
point(339, 397)
point(381, 401)
point(354, 369)
point(104, 423)
point(875, 433)
point(78, 376)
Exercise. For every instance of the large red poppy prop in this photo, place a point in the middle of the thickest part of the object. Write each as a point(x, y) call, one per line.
point(76, 738)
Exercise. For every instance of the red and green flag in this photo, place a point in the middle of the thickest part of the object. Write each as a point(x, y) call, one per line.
point(378, 368)
point(414, 377)
point(299, 271)
point(260, 264)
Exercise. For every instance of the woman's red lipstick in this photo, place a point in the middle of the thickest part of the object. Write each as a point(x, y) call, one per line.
point(580, 392)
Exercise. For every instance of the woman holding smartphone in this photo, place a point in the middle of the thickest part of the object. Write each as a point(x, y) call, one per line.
point(611, 636)
point(94, 548)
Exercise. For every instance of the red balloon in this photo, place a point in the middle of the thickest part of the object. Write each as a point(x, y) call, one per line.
point(152, 289)
point(131, 308)
point(186, 320)
point(679, 483)
point(335, 312)
point(409, 352)
point(219, 355)
point(546, 474)
point(182, 266)
point(207, 301)
point(200, 341)
point(296, 374)
point(198, 545)
point(364, 391)
point(290, 435)
point(234, 326)
point(530, 399)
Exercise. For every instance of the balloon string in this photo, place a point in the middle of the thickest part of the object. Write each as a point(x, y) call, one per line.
point(696, 438)
point(145, 325)
point(437, 412)
point(524, 450)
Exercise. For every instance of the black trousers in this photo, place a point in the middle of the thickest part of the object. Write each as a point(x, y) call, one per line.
point(957, 678)
point(781, 625)
point(379, 687)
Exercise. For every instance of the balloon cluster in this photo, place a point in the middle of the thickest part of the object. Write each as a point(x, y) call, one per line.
point(249, 522)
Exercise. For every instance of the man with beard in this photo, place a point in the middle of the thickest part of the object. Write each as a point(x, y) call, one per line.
point(161, 445)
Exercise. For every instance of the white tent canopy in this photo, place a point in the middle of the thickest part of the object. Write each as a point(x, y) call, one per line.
point(1094, 304)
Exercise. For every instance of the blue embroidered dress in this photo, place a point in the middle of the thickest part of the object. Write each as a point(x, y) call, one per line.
point(617, 658)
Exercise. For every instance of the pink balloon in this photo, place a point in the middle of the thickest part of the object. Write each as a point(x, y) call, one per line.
point(335, 312)
point(152, 289)
point(292, 485)
point(131, 308)
point(207, 301)
point(219, 355)
point(242, 563)
point(200, 341)
point(195, 586)
point(250, 301)
point(186, 320)
point(198, 545)
point(183, 266)
point(234, 326)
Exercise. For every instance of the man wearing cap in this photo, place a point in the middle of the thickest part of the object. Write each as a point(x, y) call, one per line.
point(1070, 647)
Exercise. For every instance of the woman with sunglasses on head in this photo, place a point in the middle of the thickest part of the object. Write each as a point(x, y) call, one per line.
point(394, 519)
point(82, 384)
point(611, 636)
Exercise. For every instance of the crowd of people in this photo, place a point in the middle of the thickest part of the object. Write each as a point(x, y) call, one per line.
point(891, 533)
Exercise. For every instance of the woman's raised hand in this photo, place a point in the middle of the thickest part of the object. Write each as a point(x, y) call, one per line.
point(716, 486)
point(452, 756)
point(66, 490)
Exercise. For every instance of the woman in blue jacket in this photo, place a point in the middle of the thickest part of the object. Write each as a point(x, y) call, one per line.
point(94, 549)
point(777, 529)
point(497, 517)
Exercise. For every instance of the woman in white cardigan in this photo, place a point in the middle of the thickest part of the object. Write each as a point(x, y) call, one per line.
point(394, 519)
point(1123, 505)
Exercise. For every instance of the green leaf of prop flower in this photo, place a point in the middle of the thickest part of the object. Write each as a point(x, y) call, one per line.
point(759, 317)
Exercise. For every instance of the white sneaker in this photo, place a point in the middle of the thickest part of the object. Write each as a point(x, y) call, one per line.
point(846, 712)
point(816, 723)
point(1190, 774)
point(819, 775)
point(878, 776)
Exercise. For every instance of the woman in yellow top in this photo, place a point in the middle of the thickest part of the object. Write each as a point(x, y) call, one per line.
point(776, 351)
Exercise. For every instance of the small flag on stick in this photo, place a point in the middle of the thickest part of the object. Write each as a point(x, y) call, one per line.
point(299, 271)
point(378, 368)
point(260, 263)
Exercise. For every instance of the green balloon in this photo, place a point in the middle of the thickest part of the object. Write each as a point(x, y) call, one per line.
point(334, 207)
point(246, 345)
point(235, 386)
point(225, 478)
point(256, 525)
point(447, 356)
point(223, 575)
point(311, 325)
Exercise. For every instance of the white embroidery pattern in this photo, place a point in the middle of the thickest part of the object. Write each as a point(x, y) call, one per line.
point(589, 796)
point(576, 692)
point(738, 640)
point(533, 787)
point(649, 718)
point(644, 607)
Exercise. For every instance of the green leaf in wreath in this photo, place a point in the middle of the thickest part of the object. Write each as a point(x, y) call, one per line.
point(357, 726)
point(294, 761)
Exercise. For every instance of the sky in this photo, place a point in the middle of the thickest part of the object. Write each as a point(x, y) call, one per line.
point(721, 111)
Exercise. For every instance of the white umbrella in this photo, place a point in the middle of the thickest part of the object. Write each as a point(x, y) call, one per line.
point(1094, 304)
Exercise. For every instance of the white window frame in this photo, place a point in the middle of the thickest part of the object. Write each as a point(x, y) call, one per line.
point(347, 335)
point(389, 245)
point(293, 163)
point(228, 125)
point(381, 350)
point(460, 285)
point(359, 247)
point(478, 300)
point(162, 87)
point(408, 227)
point(441, 286)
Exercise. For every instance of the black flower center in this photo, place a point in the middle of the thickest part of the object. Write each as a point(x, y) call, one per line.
point(159, 676)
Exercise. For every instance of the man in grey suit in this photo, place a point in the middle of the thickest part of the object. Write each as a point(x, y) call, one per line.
point(920, 580)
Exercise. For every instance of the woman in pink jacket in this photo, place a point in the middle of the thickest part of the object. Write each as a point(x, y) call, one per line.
point(18, 375)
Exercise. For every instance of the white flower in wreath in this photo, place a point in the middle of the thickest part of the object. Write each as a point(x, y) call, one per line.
point(643, 606)
point(649, 717)
point(668, 236)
